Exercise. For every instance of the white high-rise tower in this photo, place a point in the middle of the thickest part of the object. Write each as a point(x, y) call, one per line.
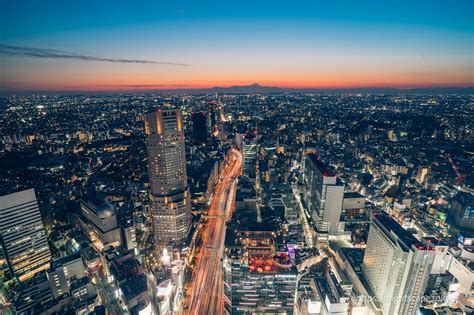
point(396, 266)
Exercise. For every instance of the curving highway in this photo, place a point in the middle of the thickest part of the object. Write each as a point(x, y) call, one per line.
point(206, 291)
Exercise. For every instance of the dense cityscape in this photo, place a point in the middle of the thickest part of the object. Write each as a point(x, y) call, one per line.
point(286, 203)
point(236, 157)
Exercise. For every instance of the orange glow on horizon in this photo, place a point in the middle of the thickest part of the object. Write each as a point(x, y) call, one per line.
point(111, 81)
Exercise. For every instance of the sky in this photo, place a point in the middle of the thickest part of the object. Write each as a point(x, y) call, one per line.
point(97, 45)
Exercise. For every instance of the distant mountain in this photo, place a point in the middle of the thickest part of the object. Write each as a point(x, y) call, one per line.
point(256, 88)
point(253, 88)
point(261, 89)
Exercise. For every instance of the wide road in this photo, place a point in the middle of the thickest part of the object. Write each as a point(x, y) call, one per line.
point(207, 285)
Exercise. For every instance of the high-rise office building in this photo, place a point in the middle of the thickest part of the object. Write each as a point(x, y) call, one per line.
point(258, 278)
point(461, 212)
point(267, 291)
point(22, 235)
point(200, 132)
point(324, 193)
point(129, 233)
point(249, 154)
point(396, 266)
point(5, 273)
point(170, 197)
point(215, 116)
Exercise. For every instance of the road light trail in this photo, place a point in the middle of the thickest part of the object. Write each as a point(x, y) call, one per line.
point(207, 285)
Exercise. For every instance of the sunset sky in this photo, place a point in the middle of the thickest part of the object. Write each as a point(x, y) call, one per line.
point(139, 45)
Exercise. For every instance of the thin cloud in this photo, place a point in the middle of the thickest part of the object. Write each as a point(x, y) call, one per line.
point(60, 45)
point(179, 11)
point(20, 51)
point(10, 83)
point(142, 85)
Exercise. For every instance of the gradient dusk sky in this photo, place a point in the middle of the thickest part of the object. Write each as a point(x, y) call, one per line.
point(118, 45)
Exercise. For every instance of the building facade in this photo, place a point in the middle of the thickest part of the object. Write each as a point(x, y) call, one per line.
point(353, 207)
point(396, 266)
point(249, 154)
point(170, 197)
point(461, 212)
point(99, 222)
point(200, 127)
point(323, 194)
point(62, 271)
point(258, 278)
point(22, 235)
point(260, 285)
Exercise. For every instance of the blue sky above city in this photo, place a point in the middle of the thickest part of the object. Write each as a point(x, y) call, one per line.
point(69, 45)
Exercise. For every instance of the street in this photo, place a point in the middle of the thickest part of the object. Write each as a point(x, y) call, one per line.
point(207, 285)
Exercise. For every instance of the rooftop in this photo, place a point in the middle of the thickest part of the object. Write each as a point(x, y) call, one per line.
point(352, 195)
point(264, 264)
point(402, 235)
point(134, 286)
point(64, 260)
point(320, 165)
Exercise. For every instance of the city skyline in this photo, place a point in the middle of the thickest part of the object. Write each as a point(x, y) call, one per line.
point(237, 157)
point(55, 46)
point(306, 203)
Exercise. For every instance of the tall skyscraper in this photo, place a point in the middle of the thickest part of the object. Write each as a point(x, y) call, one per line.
point(214, 116)
point(22, 235)
point(200, 127)
point(250, 154)
point(324, 193)
point(396, 266)
point(170, 197)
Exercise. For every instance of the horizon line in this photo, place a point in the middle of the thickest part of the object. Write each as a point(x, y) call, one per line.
point(135, 88)
point(9, 86)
